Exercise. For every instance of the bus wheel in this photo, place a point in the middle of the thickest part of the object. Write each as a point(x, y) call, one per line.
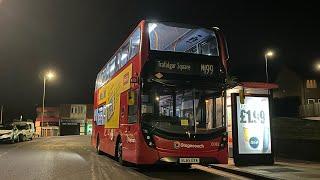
point(119, 152)
point(20, 137)
point(98, 147)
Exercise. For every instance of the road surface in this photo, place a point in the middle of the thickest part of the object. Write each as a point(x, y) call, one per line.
point(72, 157)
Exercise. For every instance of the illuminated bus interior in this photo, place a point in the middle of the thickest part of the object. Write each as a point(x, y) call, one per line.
point(170, 37)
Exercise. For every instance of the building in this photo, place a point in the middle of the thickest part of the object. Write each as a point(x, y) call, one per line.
point(76, 119)
point(66, 119)
point(50, 121)
point(298, 95)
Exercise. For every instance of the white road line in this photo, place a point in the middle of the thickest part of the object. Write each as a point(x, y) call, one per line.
point(4, 153)
point(218, 172)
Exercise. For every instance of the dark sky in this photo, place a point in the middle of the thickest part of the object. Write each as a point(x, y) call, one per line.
point(76, 37)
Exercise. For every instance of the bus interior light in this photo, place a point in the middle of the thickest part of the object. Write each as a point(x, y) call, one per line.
point(124, 56)
point(112, 67)
point(136, 41)
point(152, 26)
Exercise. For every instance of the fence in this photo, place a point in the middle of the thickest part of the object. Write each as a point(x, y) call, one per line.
point(309, 110)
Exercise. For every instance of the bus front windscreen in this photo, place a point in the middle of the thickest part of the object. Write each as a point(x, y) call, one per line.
point(182, 111)
point(177, 38)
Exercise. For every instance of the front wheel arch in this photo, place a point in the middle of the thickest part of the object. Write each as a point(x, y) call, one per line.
point(98, 145)
point(119, 156)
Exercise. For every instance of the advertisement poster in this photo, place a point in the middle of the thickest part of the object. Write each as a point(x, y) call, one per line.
point(109, 95)
point(254, 125)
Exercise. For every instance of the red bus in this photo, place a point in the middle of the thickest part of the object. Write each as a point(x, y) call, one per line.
point(160, 97)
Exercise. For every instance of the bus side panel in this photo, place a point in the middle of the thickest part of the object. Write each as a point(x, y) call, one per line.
point(109, 141)
point(126, 130)
point(129, 141)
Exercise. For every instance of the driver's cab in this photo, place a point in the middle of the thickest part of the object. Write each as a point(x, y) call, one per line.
point(182, 110)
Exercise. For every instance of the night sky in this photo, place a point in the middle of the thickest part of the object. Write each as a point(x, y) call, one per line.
point(76, 37)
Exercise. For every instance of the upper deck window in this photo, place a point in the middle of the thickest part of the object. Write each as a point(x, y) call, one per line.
point(127, 51)
point(165, 37)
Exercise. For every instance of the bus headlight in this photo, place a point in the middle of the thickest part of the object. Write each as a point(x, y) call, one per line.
point(148, 138)
point(224, 141)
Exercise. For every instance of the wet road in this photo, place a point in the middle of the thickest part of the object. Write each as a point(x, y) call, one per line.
point(72, 157)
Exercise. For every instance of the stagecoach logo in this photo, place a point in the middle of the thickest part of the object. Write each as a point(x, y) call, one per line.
point(178, 145)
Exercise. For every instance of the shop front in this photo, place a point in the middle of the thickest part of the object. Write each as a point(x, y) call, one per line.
point(72, 127)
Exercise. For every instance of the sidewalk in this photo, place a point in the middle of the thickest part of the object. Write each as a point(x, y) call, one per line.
point(282, 169)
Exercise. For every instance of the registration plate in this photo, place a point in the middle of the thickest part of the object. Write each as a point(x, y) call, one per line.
point(189, 160)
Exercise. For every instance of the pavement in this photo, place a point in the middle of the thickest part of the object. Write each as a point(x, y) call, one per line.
point(282, 169)
point(72, 157)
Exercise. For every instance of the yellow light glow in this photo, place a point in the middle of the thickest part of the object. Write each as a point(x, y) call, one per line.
point(269, 53)
point(50, 75)
point(157, 98)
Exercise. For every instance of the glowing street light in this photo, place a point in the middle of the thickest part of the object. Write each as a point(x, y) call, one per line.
point(47, 76)
point(50, 75)
point(269, 53)
point(266, 55)
point(317, 66)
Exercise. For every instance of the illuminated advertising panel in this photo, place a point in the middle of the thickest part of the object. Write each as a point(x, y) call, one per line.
point(109, 95)
point(253, 121)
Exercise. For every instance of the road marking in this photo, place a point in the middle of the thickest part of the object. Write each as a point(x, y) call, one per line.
point(4, 153)
point(218, 172)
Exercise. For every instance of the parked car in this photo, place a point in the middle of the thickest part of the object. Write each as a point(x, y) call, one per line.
point(9, 133)
point(26, 130)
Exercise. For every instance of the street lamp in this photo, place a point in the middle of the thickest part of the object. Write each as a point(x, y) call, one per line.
point(266, 55)
point(47, 76)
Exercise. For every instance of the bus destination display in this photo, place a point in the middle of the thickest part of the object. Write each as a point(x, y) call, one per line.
point(203, 69)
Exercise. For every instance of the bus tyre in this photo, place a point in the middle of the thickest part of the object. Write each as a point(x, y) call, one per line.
point(21, 138)
point(98, 147)
point(17, 140)
point(119, 153)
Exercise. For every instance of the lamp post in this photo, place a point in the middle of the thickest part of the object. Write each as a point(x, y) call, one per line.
point(49, 75)
point(266, 55)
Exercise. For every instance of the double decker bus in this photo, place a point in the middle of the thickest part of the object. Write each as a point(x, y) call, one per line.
point(160, 97)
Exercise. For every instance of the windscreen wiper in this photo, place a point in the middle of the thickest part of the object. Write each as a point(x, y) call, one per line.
point(170, 85)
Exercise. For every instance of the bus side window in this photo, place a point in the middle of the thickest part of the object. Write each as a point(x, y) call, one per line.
point(135, 43)
point(132, 106)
